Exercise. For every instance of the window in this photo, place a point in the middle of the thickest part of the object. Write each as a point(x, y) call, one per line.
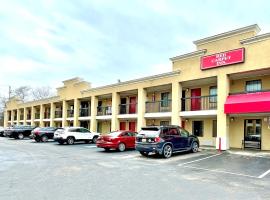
point(197, 127)
point(213, 94)
point(214, 128)
point(184, 133)
point(165, 99)
point(164, 123)
point(174, 131)
point(84, 130)
point(253, 86)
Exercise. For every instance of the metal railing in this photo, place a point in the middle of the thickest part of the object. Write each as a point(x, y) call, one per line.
point(248, 92)
point(128, 108)
point(158, 106)
point(84, 112)
point(47, 115)
point(37, 115)
point(58, 114)
point(104, 110)
point(199, 103)
point(70, 113)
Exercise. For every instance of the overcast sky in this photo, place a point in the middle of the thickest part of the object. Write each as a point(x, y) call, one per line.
point(43, 42)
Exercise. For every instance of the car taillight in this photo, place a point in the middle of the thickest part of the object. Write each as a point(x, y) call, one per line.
point(157, 139)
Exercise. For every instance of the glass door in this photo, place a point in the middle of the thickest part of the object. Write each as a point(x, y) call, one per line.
point(252, 138)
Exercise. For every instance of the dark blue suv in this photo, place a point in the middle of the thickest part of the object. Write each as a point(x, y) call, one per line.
point(165, 140)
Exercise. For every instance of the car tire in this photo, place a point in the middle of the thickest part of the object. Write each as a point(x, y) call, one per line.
point(70, 140)
point(94, 140)
point(37, 140)
point(145, 154)
point(20, 136)
point(167, 151)
point(195, 147)
point(44, 138)
point(121, 147)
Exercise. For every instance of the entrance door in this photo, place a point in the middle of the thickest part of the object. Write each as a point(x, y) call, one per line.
point(132, 126)
point(122, 126)
point(197, 128)
point(132, 105)
point(195, 99)
point(123, 107)
point(252, 138)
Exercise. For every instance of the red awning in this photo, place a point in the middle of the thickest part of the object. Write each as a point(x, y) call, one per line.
point(258, 102)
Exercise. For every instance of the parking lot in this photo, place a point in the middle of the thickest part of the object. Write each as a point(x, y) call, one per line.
point(32, 170)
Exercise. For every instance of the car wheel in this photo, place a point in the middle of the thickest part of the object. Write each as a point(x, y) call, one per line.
point(20, 136)
point(144, 153)
point(107, 149)
point(44, 138)
point(94, 140)
point(195, 147)
point(121, 147)
point(167, 151)
point(70, 140)
point(60, 142)
point(37, 140)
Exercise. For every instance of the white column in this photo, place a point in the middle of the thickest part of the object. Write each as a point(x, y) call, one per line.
point(176, 103)
point(115, 111)
point(142, 96)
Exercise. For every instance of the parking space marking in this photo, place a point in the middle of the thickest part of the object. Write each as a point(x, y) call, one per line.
point(219, 171)
point(90, 147)
point(264, 174)
point(199, 159)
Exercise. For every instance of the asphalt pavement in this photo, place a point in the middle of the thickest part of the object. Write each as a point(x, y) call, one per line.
point(49, 171)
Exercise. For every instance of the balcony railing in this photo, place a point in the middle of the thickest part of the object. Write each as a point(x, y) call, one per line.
point(128, 108)
point(28, 116)
point(104, 110)
point(37, 115)
point(58, 114)
point(199, 103)
point(158, 106)
point(84, 112)
point(70, 113)
point(47, 115)
point(21, 117)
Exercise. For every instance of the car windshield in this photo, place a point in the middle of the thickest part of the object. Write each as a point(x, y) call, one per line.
point(114, 134)
point(149, 132)
point(47, 129)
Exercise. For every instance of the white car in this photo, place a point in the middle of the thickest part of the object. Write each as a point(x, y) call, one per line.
point(72, 134)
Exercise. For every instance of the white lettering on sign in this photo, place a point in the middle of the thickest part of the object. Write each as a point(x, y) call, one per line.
point(221, 59)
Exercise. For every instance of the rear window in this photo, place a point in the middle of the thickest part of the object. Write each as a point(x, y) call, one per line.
point(114, 134)
point(149, 132)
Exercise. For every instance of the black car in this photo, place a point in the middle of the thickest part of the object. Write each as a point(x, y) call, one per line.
point(165, 140)
point(2, 131)
point(19, 132)
point(43, 134)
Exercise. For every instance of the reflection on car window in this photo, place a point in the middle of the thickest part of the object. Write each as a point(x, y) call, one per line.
point(84, 130)
point(184, 133)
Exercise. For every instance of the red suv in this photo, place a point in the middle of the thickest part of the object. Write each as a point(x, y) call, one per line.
point(120, 140)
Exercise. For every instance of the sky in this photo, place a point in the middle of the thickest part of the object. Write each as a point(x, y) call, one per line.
point(45, 42)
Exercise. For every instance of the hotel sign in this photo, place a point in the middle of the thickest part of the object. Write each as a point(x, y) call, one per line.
point(223, 58)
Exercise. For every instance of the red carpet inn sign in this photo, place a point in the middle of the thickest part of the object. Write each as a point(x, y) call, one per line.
point(224, 58)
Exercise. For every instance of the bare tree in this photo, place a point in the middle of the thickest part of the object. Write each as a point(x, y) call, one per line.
point(41, 92)
point(3, 101)
point(22, 92)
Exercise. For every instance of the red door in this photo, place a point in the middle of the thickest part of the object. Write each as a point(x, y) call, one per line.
point(132, 105)
point(132, 126)
point(195, 99)
point(123, 126)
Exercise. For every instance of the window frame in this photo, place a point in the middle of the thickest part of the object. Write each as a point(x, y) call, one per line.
point(253, 82)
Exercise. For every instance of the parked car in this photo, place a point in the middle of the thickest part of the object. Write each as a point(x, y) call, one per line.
point(120, 140)
point(165, 140)
point(19, 132)
point(43, 134)
point(70, 135)
point(2, 131)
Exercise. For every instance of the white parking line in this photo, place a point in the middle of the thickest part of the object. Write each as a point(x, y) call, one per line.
point(198, 160)
point(264, 174)
point(219, 171)
point(90, 146)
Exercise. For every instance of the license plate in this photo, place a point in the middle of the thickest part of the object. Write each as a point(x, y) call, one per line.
point(143, 140)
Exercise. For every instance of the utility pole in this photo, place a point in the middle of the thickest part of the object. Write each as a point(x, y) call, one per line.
point(9, 92)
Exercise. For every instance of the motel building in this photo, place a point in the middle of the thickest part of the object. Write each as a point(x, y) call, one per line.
point(219, 92)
